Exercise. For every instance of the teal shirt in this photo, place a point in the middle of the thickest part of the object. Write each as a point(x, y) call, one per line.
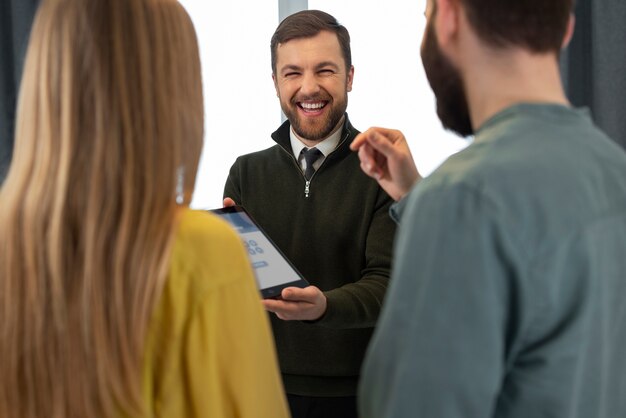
point(507, 289)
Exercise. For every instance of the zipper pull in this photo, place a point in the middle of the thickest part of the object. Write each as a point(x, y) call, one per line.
point(306, 188)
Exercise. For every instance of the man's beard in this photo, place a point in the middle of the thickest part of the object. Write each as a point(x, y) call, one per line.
point(314, 132)
point(446, 82)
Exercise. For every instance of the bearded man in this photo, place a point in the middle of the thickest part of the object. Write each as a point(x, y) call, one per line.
point(506, 298)
point(329, 218)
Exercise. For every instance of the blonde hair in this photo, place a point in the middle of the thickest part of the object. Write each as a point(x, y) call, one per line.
point(110, 110)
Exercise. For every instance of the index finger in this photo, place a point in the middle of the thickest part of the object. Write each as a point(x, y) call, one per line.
point(359, 140)
point(273, 305)
point(390, 134)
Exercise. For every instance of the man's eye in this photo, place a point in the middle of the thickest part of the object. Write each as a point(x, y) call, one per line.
point(291, 74)
point(326, 71)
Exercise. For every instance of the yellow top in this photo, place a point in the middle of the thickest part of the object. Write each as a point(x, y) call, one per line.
point(209, 350)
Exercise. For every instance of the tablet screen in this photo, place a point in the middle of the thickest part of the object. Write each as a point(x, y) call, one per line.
point(272, 269)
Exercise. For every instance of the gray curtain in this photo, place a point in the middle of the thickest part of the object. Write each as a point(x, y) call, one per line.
point(16, 18)
point(594, 66)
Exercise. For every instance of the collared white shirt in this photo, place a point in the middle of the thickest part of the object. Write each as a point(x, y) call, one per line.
point(326, 147)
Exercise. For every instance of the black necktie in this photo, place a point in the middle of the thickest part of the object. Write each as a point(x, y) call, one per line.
point(310, 156)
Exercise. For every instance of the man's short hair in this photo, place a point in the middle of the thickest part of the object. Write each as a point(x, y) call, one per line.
point(537, 25)
point(306, 24)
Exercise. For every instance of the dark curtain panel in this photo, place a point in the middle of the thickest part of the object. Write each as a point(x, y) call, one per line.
point(16, 17)
point(594, 66)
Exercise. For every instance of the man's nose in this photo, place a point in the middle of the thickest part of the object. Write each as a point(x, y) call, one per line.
point(310, 84)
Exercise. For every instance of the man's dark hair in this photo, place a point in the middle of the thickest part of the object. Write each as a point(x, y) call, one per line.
point(306, 24)
point(537, 25)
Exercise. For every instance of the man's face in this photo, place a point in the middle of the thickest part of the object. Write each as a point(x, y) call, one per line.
point(312, 84)
point(446, 82)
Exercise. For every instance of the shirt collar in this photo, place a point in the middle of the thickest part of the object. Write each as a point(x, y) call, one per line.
point(326, 146)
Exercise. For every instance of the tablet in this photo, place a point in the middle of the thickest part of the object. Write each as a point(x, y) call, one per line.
point(273, 270)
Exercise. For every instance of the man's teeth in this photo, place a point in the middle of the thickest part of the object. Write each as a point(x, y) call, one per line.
point(312, 106)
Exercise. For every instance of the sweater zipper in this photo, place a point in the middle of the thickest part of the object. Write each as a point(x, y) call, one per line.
point(307, 183)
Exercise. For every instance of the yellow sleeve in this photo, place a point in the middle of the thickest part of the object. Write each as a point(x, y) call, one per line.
point(242, 371)
point(227, 360)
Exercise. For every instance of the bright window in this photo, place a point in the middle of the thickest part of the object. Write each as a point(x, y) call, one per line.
point(241, 108)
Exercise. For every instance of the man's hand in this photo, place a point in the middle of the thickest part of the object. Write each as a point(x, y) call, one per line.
point(229, 202)
point(298, 304)
point(385, 156)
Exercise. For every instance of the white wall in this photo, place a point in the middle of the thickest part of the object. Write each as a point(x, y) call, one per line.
point(389, 90)
point(241, 108)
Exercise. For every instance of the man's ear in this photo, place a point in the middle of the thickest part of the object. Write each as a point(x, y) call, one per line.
point(275, 84)
point(447, 20)
point(350, 78)
point(569, 32)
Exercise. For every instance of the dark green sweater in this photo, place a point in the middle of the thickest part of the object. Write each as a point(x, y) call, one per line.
point(339, 237)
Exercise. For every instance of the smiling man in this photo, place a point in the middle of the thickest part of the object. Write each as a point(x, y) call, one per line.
point(329, 218)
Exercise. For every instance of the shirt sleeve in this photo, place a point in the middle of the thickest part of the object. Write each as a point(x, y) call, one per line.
point(439, 348)
point(242, 366)
point(225, 364)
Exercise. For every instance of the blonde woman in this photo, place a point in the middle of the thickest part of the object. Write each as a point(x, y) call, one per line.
point(115, 299)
